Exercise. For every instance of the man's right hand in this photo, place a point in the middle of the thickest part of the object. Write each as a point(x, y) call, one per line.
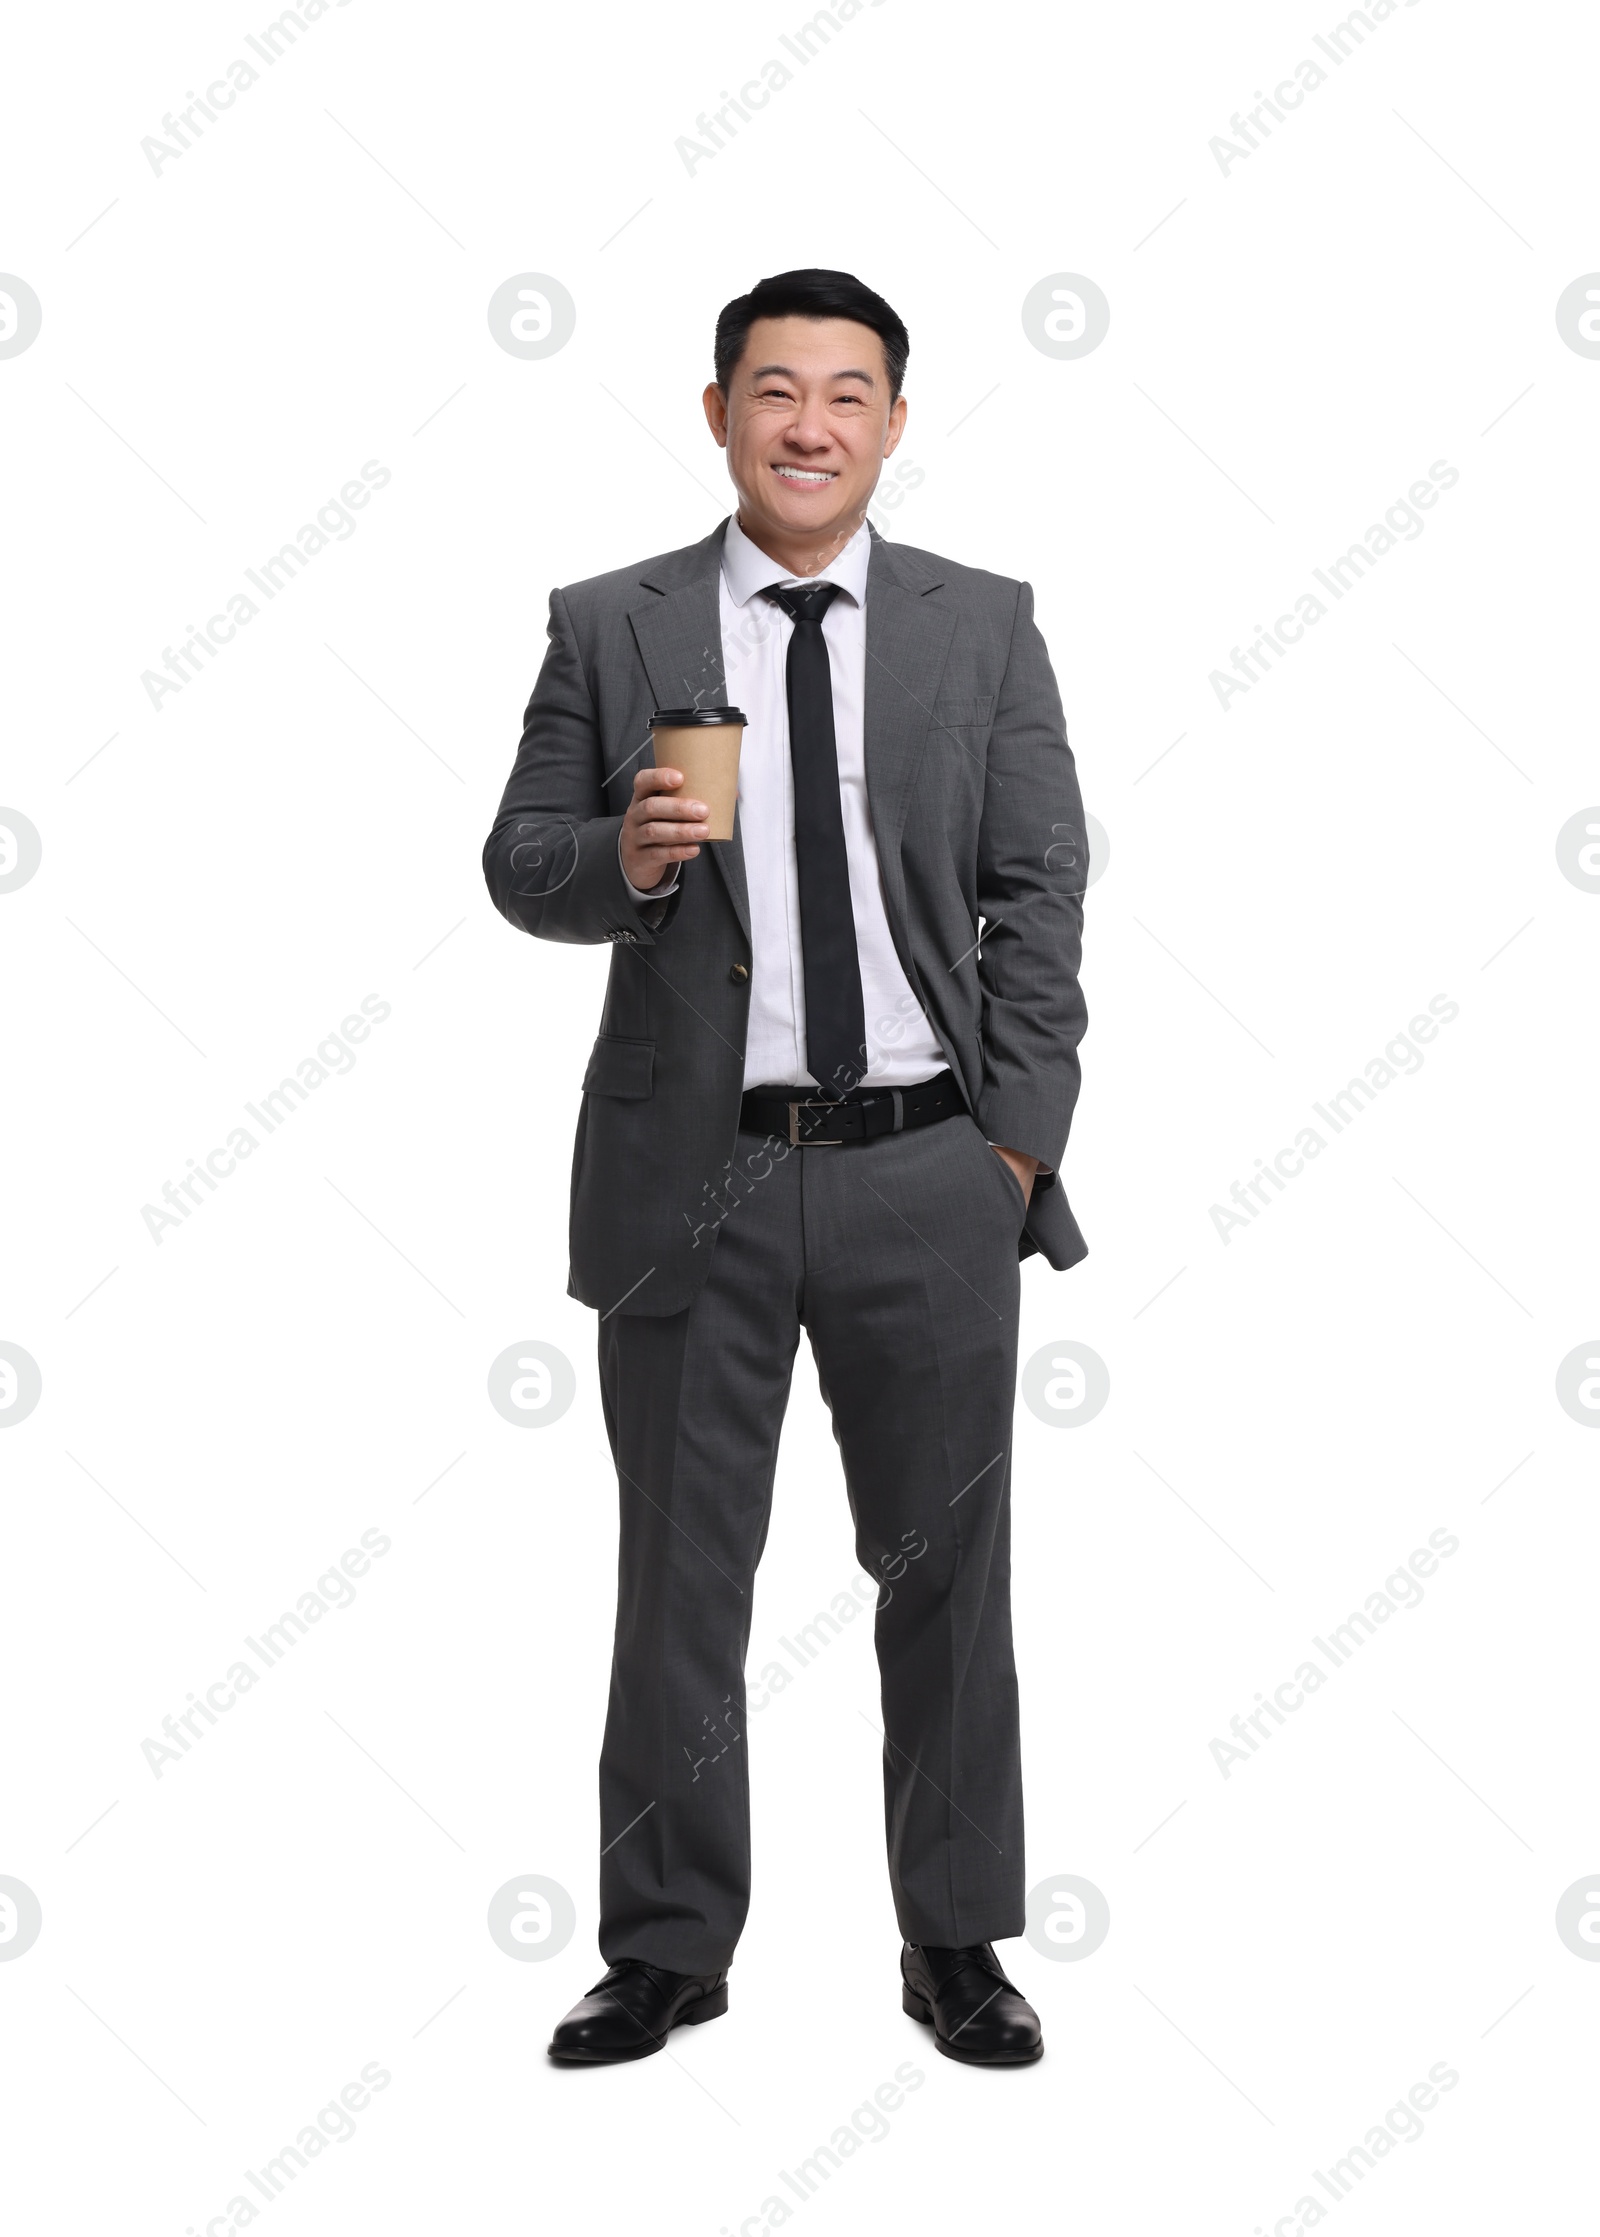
point(658, 830)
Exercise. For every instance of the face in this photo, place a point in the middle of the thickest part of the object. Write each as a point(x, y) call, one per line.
point(807, 424)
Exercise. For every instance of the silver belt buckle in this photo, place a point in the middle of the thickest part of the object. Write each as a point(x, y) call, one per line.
point(794, 1126)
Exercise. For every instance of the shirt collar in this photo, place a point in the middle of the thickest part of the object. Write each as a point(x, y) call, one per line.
point(748, 570)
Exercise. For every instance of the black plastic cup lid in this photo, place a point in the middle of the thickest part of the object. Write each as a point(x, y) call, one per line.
point(683, 718)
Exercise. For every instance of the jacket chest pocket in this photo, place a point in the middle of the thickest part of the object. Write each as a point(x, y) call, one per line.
point(962, 714)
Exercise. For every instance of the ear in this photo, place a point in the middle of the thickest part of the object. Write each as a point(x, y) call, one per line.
point(716, 408)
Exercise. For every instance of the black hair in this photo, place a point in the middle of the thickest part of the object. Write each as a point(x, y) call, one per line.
point(811, 294)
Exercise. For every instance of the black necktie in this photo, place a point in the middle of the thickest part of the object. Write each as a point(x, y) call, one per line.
point(836, 1025)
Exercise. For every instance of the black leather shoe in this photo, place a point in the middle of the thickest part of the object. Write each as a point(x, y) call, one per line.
point(632, 2010)
point(975, 2012)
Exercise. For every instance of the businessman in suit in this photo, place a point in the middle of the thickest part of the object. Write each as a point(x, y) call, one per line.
point(832, 1087)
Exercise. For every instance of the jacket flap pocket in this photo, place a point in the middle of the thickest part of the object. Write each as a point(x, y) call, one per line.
point(618, 1067)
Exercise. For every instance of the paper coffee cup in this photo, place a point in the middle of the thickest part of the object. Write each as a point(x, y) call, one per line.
point(704, 743)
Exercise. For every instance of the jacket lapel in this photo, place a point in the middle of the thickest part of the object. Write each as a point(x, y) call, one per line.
point(908, 641)
point(678, 630)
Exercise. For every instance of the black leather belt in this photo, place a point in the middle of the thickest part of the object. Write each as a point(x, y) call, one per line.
point(810, 1121)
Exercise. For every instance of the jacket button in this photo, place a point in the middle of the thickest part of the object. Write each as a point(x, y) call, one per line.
point(739, 974)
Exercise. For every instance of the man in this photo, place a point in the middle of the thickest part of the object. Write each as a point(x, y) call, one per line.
point(832, 1086)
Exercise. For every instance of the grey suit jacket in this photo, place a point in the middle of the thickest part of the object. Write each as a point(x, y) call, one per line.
point(978, 825)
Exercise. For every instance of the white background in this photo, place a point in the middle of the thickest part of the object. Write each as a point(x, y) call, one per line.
point(1292, 344)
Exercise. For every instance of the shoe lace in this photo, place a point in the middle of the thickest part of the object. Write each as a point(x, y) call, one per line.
point(628, 1965)
point(976, 1956)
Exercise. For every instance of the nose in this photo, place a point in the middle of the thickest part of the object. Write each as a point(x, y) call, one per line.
point(809, 431)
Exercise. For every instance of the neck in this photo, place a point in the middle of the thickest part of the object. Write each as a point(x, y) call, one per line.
point(799, 555)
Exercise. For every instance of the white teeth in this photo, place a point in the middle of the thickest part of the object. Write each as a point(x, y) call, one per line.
point(800, 474)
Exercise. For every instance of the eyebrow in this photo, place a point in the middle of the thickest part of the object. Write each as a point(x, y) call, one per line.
point(850, 373)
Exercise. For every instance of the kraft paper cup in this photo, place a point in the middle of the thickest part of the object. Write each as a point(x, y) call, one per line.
point(704, 743)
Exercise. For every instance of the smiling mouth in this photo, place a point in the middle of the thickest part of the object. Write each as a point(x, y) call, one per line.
point(804, 477)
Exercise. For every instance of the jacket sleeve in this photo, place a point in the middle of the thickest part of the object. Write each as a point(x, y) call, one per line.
point(1032, 869)
point(551, 861)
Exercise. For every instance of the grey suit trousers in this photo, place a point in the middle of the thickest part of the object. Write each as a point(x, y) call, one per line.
point(899, 1258)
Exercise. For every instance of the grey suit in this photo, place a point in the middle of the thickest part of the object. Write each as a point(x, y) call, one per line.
point(706, 1250)
point(976, 813)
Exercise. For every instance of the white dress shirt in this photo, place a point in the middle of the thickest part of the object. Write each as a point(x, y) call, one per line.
point(901, 1044)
